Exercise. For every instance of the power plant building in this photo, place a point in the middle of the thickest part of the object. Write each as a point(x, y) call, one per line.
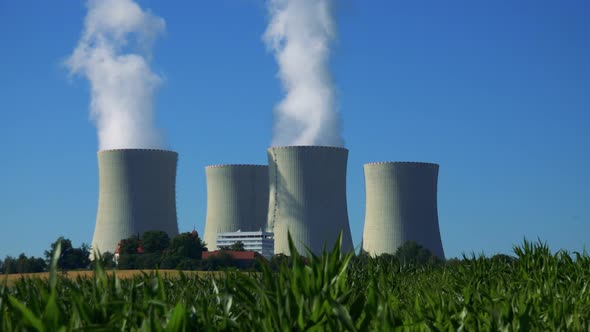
point(308, 197)
point(401, 206)
point(137, 193)
point(260, 241)
point(237, 199)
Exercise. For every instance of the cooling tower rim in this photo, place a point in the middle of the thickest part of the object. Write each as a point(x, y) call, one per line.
point(295, 147)
point(417, 163)
point(236, 166)
point(137, 149)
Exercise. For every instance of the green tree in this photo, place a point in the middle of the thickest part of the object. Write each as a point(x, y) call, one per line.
point(106, 259)
point(503, 258)
point(37, 264)
point(216, 262)
point(148, 260)
point(78, 258)
point(9, 265)
point(237, 246)
point(70, 257)
point(128, 262)
point(66, 248)
point(129, 246)
point(170, 259)
point(411, 253)
point(155, 241)
point(190, 264)
point(188, 245)
point(22, 264)
point(1, 266)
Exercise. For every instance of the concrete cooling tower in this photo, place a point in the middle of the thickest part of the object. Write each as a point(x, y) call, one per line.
point(401, 205)
point(137, 194)
point(308, 197)
point(237, 199)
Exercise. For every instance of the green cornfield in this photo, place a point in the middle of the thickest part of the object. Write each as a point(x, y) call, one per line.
point(537, 291)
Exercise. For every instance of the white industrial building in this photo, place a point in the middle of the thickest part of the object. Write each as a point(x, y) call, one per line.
point(261, 242)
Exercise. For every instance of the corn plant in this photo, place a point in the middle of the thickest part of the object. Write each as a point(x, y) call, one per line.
point(333, 291)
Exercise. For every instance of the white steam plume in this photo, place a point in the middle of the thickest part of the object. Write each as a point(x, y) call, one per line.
point(113, 55)
point(299, 34)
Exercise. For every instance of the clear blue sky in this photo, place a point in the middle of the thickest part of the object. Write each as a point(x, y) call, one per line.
point(497, 92)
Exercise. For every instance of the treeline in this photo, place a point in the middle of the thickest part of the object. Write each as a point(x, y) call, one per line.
point(71, 258)
point(155, 249)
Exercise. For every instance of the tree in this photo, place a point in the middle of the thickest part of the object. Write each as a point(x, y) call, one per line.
point(37, 264)
point(66, 247)
point(107, 260)
point(77, 258)
point(188, 245)
point(411, 253)
point(70, 257)
point(189, 264)
point(9, 265)
point(127, 262)
point(129, 246)
point(237, 246)
point(503, 259)
point(22, 264)
point(155, 241)
point(215, 262)
point(171, 259)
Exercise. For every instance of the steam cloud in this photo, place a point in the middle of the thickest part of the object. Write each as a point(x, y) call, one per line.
point(113, 55)
point(299, 34)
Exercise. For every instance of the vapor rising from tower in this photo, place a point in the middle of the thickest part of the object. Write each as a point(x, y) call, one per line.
point(299, 34)
point(113, 55)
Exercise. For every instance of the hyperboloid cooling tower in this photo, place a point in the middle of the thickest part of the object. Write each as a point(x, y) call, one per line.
point(137, 194)
point(308, 197)
point(401, 205)
point(237, 199)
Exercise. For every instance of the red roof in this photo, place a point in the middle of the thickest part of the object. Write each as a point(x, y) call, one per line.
point(241, 255)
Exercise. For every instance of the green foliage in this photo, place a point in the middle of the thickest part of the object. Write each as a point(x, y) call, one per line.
point(129, 246)
point(22, 264)
point(219, 261)
point(155, 241)
point(188, 245)
point(106, 260)
point(182, 252)
point(238, 246)
point(411, 253)
point(70, 257)
point(536, 291)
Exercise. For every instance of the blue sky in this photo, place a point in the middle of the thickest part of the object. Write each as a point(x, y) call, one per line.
point(496, 92)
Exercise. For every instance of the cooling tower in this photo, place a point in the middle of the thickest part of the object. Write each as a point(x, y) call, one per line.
point(136, 194)
point(308, 197)
point(237, 199)
point(401, 205)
